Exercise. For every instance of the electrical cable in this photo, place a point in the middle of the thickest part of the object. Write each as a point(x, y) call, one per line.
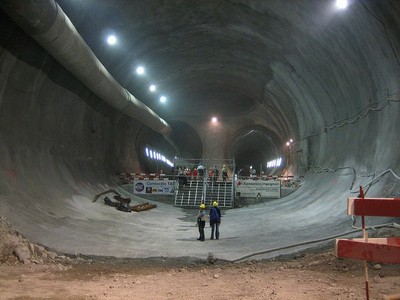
point(376, 179)
point(365, 187)
point(354, 218)
point(384, 28)
point(311, 242)
point(360, 115)
point(310, 172)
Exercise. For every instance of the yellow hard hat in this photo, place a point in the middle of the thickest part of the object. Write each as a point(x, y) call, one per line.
point(202, 205)
point(215, 203)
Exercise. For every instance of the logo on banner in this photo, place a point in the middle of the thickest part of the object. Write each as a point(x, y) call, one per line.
point(258, 188)
point(155, 187)
point(139, 187)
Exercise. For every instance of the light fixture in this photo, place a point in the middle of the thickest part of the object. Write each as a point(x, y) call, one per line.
point(341, 4)
point(152, 88)
point(214, 120)
point(153, 154)
point(112, 40)
point(289, 142)
point(163, 99)
point(140, 70)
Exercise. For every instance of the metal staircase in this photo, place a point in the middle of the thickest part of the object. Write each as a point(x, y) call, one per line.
point(204, 189)
point(189, 195)
point(196, 192)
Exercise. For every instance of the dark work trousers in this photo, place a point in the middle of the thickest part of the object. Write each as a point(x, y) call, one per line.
point(214, 228)
point(224, 176)
point(201, 174)
point(181, 181)
point(201, 224)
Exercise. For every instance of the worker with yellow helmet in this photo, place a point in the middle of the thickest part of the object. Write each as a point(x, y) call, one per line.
point(215, 220)
point(201, 221)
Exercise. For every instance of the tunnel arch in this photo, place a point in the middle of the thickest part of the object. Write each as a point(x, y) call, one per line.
point(187, 140)
point(157, 143)
point(253, 145)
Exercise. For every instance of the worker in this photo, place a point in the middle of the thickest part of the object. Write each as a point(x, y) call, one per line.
point(224, 172)
point(215, 220)
point(201, 222)
point(210, 174)
point(215, 174)
point(200, 170)
point(195, 174)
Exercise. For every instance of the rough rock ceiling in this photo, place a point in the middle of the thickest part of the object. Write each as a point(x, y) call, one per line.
point(208, 57)
point(294, 63)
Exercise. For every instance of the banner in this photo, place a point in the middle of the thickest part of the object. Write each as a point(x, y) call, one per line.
point(258, 188)
point(155, 187)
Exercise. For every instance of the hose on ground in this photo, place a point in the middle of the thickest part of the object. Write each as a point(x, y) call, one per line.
point(312, 241)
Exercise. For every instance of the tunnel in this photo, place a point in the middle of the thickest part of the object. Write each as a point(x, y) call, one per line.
point(74, 112)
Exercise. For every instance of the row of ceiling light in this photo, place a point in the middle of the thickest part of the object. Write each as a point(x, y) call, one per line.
point(140, 70)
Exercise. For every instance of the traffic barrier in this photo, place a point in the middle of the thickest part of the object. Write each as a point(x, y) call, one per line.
point(142, 176)
point(382, 250)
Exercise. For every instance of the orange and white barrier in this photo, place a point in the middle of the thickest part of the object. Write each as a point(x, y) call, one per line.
point(382, 250)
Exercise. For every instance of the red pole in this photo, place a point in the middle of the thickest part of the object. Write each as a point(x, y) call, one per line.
point(365, 236)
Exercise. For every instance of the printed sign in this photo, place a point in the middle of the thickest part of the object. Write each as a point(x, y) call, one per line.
point(259, 188)
point(155, 187)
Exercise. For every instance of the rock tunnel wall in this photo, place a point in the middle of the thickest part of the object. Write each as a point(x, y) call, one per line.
point(56, 138)
point(343, 82)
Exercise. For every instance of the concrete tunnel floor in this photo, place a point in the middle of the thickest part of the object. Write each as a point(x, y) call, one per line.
point(78, 225)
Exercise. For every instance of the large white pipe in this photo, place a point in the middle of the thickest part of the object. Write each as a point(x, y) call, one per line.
point(45, 21)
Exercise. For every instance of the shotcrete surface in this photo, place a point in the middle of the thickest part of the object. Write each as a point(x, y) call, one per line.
point(77, 225)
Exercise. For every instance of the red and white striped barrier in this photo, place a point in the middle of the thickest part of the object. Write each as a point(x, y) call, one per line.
point(383, 250)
